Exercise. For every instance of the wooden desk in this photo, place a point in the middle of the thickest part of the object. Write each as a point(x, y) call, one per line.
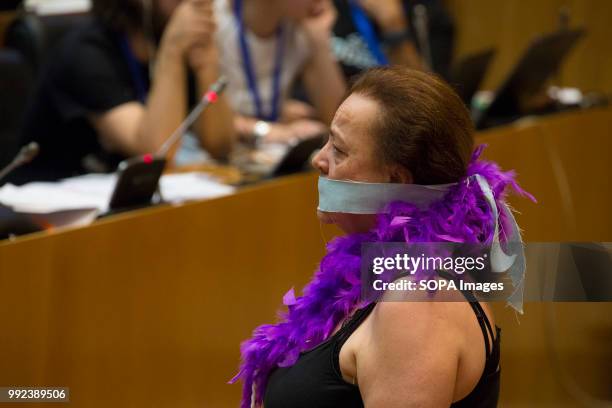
point(147, 309)
point(564, 161)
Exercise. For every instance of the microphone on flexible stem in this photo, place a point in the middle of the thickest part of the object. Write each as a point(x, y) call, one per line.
point(421, 25)
point(12, 223)
point(25, 155)
point(138, 178)
point(209, 98)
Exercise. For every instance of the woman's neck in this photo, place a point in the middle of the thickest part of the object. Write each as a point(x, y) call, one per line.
point(262, 17)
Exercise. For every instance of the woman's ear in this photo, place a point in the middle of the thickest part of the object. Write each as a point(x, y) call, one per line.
point(400, 174)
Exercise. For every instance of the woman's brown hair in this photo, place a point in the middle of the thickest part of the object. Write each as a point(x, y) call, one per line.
point(424, 126)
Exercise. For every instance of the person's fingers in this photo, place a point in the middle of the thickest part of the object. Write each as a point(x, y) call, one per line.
point(202, 14)
point(307, 128)
point(283, 133)
point(202, 7)
point(205, 10)
point(186, 14)
point(310, 132)
point(316, 9)
point(203, 23)
point(202, 43)
point(326, 5)
point(203, 20)
point(198, 30)
point(322, 8)
point(198, 39)
point(202, 26)
point(201, 3)
point(201, 40)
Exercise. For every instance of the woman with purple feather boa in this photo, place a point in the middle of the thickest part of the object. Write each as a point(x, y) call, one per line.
point(333, 349)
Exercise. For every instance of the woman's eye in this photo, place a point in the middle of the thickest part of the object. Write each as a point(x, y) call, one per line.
point(337, 151)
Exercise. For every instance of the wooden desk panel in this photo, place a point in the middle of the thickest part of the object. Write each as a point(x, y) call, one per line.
point(564, 161)
point(148, 309)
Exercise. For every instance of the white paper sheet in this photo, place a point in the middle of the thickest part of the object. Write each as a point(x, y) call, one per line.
point(90, 194)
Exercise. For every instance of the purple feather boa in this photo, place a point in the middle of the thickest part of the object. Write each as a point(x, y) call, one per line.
point(461, 216)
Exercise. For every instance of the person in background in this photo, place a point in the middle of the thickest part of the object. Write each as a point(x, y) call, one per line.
point(264, 46)
point(118, 87)
point(370, 33)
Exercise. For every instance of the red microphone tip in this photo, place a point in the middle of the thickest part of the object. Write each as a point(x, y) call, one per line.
point(211, 96)
point(147, 158)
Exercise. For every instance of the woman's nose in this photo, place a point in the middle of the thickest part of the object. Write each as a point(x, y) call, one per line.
point(320, 162)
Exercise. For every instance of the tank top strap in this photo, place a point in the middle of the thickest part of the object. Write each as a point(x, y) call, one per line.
point(481, 316)
point(353, 323)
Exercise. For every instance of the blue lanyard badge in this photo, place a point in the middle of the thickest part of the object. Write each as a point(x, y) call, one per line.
point(140, 84)
point(365, 28)
point(249, 73)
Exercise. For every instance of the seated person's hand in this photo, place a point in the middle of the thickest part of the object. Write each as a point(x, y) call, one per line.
point(191, 27)
point(319, 24)
point(294, 110)
point(278, 132)
point(383, 11)
point(293, 131)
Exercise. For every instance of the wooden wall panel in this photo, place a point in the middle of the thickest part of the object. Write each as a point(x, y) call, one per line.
point(554, 348)
point(509, 25)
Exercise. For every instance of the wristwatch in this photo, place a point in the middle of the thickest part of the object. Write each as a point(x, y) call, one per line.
point(260, 131)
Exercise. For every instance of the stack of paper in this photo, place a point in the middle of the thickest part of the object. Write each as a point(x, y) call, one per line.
point(78, 200)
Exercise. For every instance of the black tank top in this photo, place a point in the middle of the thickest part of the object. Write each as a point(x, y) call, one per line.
point(315, 380)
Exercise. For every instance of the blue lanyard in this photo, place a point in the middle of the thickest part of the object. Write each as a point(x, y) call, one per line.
point(141, 85)
point(365, 28)
point(247, 65)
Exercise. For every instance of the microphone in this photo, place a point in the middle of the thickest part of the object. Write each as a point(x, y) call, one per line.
point(209, 98)
point(421, 25)
point(138, 177)
point(25, 155)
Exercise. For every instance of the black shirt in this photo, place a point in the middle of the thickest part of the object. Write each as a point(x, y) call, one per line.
point(87, 74)
point(352, 51)
point(315, 380)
